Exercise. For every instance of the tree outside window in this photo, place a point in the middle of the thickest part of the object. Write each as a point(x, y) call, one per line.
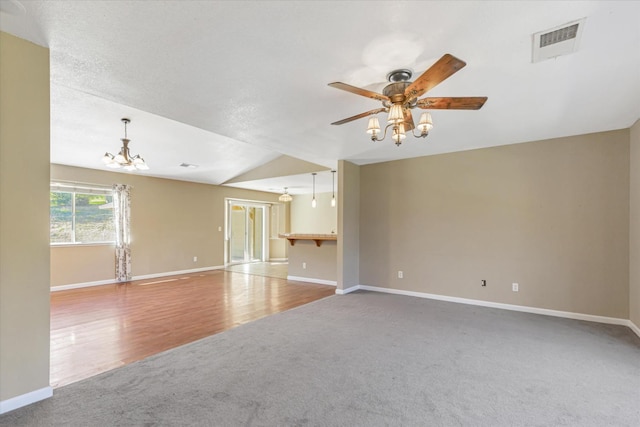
point(81, 218)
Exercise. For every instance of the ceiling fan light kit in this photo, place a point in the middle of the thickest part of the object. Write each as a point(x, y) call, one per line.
point(124, 159)
point(400, 96)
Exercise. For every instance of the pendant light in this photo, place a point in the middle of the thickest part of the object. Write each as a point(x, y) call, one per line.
point(333, 189)
point(313, 201)
point(285, 197)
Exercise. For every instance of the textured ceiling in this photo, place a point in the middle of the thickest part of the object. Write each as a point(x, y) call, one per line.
point(233, 85)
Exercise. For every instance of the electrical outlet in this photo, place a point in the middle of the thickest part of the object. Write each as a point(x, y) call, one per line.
point(195, 259)
point(219, 228)
point(304, 265)
point(514, 287)
point(400, 274)
point(484, 282)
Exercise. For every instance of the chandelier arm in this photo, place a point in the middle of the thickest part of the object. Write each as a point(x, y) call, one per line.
point(375, 138)
point(421, 135)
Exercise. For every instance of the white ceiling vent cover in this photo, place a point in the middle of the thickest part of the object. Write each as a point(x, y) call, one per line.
point(557, 41)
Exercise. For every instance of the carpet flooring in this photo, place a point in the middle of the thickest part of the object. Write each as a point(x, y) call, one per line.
point(370, 359)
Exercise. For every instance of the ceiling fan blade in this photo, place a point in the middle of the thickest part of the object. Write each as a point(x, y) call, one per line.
point(409, 125)
point(359, 91)
point(452, 103)
point(438, 72)
point(359, 116)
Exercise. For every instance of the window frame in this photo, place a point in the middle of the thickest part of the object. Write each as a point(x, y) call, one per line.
point(84, 189)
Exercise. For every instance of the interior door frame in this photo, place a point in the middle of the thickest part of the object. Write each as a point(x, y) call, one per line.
point(266, 227)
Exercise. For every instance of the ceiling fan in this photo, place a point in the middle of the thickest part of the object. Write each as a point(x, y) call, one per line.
point(400, 96)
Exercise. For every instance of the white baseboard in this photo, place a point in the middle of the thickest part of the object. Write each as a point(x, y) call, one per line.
point(143, 277)
point(634, 327)
point(348, 290)
point(278, 259)
point(512, 307)
point(312, 280)
point(25, 399)
point(82, 285)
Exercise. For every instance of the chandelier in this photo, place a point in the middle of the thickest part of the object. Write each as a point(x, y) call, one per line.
point(124, 159)
point(285, 197)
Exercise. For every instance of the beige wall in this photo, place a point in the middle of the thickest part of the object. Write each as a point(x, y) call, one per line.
point(348, 250)
point(171, 222)
point(24, 217)
point(551, 215)
point(80, 264)
point(320, 261)
point(278, 248)
point(634, 227)
point(323, 219)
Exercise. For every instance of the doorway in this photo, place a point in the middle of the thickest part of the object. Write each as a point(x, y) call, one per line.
point(246, 232)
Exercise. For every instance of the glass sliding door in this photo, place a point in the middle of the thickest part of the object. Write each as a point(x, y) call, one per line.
point(238, 234)
point(246, 232)
point(255, 227)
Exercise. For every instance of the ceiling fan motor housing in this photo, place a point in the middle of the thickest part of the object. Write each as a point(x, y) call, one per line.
point(395, 91)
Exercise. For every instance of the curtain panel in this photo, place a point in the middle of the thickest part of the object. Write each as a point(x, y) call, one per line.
point(122, 213)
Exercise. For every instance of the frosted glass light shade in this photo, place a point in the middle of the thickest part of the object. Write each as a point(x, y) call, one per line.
point(314, 203)
point(142, 166)
point(107, 158)
point(120, 158)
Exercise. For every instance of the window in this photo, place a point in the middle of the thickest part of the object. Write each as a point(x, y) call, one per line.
point(80, 214)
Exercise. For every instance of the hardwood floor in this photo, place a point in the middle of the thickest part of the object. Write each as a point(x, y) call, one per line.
point(103, 327)
point(270, 269)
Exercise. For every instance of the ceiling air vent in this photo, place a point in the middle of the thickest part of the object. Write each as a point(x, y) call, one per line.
point(188, 165)
point(557, 41)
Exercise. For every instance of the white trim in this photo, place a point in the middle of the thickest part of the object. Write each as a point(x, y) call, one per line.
point(143, 277)
point(278, 259)
point(312, 280)
point(25, 399)
point(82, 285)
point(348, 290)
point(74, 245)
point(634, 327)
point(522, 308)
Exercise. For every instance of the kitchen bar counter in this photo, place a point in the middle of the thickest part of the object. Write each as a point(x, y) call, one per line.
point(318, 238)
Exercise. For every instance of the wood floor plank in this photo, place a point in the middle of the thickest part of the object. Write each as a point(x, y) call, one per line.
point(104, 327)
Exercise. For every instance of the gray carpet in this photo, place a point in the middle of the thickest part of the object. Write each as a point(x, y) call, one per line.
point(369, 359)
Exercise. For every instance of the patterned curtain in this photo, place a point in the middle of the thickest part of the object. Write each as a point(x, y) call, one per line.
point(122, 212)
